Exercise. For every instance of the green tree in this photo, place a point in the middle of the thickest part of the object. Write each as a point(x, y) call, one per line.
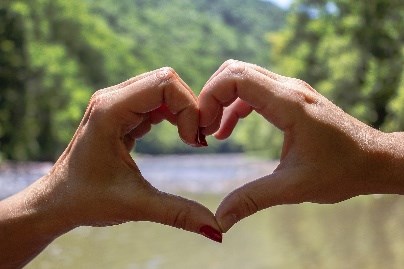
point(56, 54)
point(349, 50)
point(194, 37)
point(13, 72)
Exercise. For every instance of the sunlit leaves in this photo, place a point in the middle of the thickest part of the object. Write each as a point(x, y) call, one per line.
point(55, 53)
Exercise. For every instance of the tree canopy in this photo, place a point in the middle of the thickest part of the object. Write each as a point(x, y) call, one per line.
point(54, 54)
point(351, 52)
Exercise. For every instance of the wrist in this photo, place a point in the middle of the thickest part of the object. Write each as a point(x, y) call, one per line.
point(27, 226)
point(35, 208)
point(385, 165)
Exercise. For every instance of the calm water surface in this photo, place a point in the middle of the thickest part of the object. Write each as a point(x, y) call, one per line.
point(189, 173)
point(364, 232)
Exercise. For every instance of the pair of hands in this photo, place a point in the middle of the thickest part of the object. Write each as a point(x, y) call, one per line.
point(327, 155)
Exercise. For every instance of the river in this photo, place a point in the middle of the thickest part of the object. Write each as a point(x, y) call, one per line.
point(363, 232)
point(211, 173)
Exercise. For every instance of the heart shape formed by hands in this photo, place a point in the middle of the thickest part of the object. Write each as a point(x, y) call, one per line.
point(96, 181)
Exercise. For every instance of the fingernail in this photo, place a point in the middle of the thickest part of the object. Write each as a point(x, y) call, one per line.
point(211, 233)
point(202, 138)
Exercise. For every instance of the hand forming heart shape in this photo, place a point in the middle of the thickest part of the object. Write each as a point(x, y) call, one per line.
point(96, 182)
point(327, 156)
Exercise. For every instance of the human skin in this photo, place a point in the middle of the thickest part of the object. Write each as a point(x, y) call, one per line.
point(95, 182)
point(327, 155)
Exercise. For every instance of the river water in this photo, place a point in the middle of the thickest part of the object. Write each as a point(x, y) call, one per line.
point(175, 173)
point(363, 232)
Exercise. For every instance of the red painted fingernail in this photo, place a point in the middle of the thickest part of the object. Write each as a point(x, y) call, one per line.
point(211, 233)
point(202, 138)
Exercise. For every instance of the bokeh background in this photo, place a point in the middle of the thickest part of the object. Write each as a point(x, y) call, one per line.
point(55, 53)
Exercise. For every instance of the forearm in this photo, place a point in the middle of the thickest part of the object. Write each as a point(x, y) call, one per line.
point(27, 226)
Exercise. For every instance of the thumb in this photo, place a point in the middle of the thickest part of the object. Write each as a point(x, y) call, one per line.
point(184, 214)
point(271, 190)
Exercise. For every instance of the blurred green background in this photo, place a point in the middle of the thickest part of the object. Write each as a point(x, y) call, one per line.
point(55, 53)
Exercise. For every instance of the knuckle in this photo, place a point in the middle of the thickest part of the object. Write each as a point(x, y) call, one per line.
point(180, 219)
point(298, 97)
point(97, 99)
point(248, 204)
point(237, 68)
point(165, 74)
point(302, 83)
point(303, 90)
point(96, 95)
point(229, 62)
point(98, 104)
point(302, 100)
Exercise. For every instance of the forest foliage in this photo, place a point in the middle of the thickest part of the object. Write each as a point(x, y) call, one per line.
point(55, 53)
point(351, 52)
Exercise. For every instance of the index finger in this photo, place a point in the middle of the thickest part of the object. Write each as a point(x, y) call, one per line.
point(151, 91)
point(261, 90)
